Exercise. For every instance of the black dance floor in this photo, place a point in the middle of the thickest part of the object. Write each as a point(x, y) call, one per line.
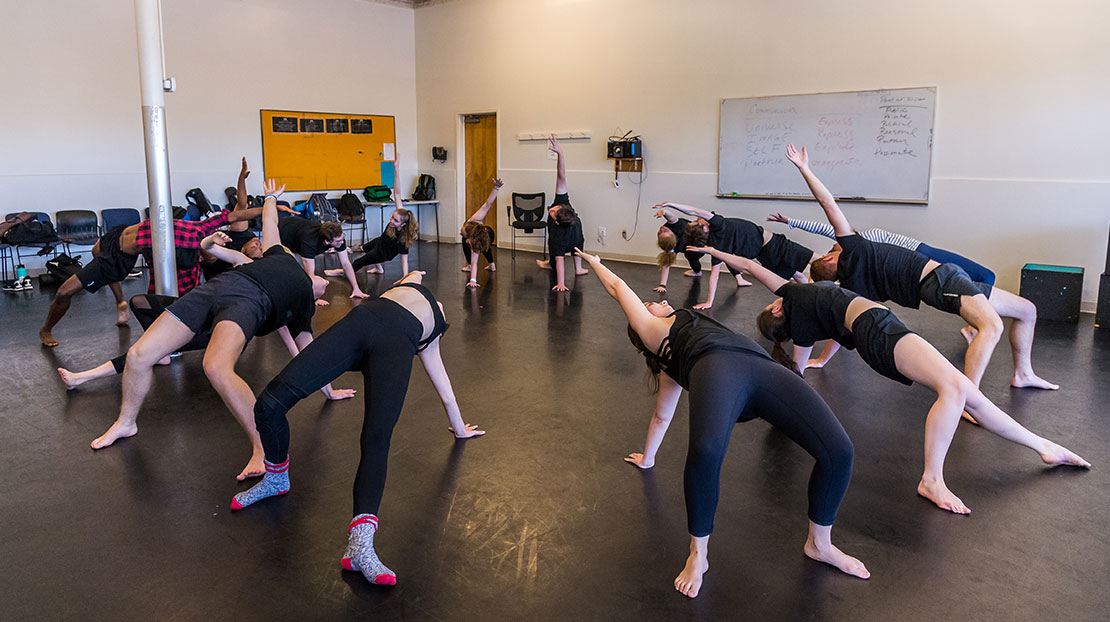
point(540, 519)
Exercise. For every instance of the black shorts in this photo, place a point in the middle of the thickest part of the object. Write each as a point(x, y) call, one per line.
point(230, 296)
point(563, 239)
point(110, 265)
point(876, 331)
point(561, 199)
point(943, 287)
point(784, 256)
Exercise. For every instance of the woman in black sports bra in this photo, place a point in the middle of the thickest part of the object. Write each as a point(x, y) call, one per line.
point(379, 338)
point(731, 379)
point(812, 312)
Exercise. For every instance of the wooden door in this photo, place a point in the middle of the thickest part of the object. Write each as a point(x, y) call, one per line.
point(481, 163)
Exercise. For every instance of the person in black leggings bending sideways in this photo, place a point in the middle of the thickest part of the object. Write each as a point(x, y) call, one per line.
point(807, 313)
point(672, 240)
point(730, 380)
point(378, 338)
point(778, 253)
point(884, 272)
point(399, 235)
point(478, 237)
point(564, 228)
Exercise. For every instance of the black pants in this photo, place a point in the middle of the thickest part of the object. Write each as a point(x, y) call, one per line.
point(726, 387)
point(375, 251)
point(378, 338)
point(694, 259)
point(146, 308)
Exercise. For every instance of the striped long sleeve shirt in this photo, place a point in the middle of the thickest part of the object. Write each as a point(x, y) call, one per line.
point(873, 235)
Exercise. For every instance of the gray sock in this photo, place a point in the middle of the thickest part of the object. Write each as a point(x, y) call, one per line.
point(274, 482)
point(360, 555)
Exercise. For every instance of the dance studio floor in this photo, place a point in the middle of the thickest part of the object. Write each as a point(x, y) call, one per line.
point(540, 519)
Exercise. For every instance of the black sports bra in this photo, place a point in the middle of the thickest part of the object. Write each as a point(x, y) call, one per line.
point(440, 324)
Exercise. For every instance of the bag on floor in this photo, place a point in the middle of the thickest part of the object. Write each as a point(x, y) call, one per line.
point(323, 207)
point(376, 194)
point(350, 208)
point(425, 189)
point(63, 266)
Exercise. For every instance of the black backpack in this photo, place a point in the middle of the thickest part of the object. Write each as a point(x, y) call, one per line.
point(32, 231)
point(62, 267)
point(232, 195)
point(350, 208)
point(425, 189)
point(323, 208)
point(196, 198)
point(376, 194)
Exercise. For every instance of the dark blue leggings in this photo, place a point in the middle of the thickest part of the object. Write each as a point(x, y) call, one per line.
point(694, 259)
point(377, 338)
point(727, 387)
point(977, 272)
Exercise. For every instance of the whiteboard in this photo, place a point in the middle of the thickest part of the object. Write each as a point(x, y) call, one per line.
point(864, 145)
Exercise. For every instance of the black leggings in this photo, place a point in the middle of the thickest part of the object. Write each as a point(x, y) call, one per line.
point(146, 308)
point(378, 338)
point(375, 252)
point(727, 387)
point(694, 259)
point(488, 253)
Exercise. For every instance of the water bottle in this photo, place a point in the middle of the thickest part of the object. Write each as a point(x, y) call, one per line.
point(20, 272)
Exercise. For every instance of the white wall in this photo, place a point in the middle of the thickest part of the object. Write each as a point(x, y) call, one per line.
point(73, 111)
point(1020, 166)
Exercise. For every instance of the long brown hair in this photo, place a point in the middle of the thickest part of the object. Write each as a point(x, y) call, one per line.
point(477, 236)
point(777, 330)
point(653, 363)
point(667, 242)
point(409, 232)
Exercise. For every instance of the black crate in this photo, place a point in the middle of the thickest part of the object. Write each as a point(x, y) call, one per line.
point(1056, 290)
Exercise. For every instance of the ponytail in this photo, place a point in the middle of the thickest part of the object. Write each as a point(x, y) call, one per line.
point(776, 329)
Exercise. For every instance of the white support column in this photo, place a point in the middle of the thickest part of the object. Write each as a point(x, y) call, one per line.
point(148, 29)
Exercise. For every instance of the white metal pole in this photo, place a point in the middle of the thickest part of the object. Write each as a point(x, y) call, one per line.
point(151, 82)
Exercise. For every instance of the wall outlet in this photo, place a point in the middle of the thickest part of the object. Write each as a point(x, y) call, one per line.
point(624, 233)
point(601, 234)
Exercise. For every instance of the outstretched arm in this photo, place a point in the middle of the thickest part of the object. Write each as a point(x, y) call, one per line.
point(714, 276)
point(437, 373)
point(295, 345)
point(397, 180)
point(665, 403)
point(812, 226)
point(480, 215)
point(241, 197)
point(769, 279)
point(689, 210)
point(831, 348)
point(349, 272)
point(639, 317)
point(820, 192)
point(560, 166)
point(214, 245)
point(270, 235)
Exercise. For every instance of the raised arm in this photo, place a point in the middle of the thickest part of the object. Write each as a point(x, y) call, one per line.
point(642, 321)
point(397, 181)
point(820, 192)
point(270, 235)
point(480, 215)
point(215, 245)
point(241, 196)
point(437, 373)
point(665, 402)
point(560, 166)
point(769, 279)
point(810, 226)
point(689, 210)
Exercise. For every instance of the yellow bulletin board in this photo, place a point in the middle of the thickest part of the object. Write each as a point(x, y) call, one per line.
point(327, 151)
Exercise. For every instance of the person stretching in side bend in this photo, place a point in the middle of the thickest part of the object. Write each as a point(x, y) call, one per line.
point(309, 238)
point(399, 235)
point(807, 313)
point(731, 379)
point(479, 238)
point(781, 255)
point(671, 240)
point(379, 338)
point(564, 228)
point(256, 298)
point(884, 272)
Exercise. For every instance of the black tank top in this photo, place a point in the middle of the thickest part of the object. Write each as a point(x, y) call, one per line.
point(692, 336)
point(440, 324)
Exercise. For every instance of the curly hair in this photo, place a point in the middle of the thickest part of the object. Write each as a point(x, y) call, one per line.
point(477, 236)
point(695, 234)
point(330, 230)
point(566, 215)
point(667, 242)
point(777, 330)
point(409, 232)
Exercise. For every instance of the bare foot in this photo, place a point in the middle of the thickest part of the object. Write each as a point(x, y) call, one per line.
point(1055, 454)
point(254, 468)
point(543, 263)
point(492, 267)
point(114, 433)
point(742, 282)
point(47, 339)
point(70, 379)
point(376, 270)
point(835, 557)
point(165, 360)
point(333, 272)
point(581, 272)
point(123, 314)
point(1031, 381)
point(689, 580)
point(691, 273)
point(969, 333)
point(465, 268)
point(939, 494)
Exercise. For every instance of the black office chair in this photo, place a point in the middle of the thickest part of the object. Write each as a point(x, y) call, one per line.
point(77, 226)
point(43, 247)
point(526, 215)
point(352, 223)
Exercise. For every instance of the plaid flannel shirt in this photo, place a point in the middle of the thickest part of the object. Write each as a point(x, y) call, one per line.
point(186, 234)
